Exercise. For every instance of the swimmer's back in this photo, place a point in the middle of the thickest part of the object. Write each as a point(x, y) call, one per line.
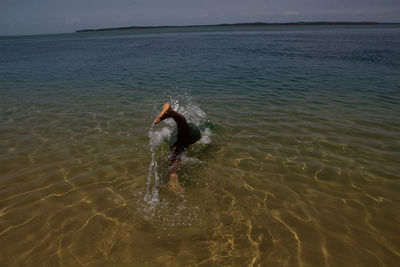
point(194, 135)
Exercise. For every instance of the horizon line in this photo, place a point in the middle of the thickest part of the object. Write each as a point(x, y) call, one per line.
point(298, 23)
point(240, 24)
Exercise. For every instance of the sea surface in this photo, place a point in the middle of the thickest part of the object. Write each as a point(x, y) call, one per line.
point(298, 165)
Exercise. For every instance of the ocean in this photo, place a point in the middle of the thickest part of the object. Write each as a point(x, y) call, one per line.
point(298, 164)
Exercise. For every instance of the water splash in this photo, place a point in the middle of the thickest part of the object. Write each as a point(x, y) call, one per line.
point(184, 104)
point(153, 178)
point(206, 135)
point(156, 138)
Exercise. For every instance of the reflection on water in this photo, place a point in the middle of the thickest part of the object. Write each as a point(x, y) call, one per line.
point(281, 177)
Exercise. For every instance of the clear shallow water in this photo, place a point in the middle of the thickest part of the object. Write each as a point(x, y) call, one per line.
point(299, 164)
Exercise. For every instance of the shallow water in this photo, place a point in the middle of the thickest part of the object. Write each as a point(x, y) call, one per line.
point(298, 164)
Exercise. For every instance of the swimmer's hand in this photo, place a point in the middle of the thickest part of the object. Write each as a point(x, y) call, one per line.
point(165, 113)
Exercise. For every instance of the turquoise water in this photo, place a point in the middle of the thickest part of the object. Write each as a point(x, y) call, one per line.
point(298, 164)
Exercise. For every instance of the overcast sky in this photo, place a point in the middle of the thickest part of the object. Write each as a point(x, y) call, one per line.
point(59, 16)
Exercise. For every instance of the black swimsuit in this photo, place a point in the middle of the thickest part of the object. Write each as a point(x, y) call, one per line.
point(194, 135)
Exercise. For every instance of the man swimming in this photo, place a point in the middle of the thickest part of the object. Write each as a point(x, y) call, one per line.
point(183, 135)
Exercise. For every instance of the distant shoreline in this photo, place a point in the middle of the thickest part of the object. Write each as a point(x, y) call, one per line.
point(300, 23)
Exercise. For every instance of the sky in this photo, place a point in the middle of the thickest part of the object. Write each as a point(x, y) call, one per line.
point(18, 17)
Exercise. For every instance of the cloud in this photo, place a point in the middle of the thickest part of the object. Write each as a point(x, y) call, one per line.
point(358, 12)
point(72, 21)
point(290, 12)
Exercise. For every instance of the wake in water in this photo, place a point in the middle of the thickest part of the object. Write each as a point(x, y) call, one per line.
point(193, 113)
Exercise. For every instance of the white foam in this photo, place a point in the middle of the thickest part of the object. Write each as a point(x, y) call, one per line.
point(205, 136)
point(156, 137)
point(186, 160)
